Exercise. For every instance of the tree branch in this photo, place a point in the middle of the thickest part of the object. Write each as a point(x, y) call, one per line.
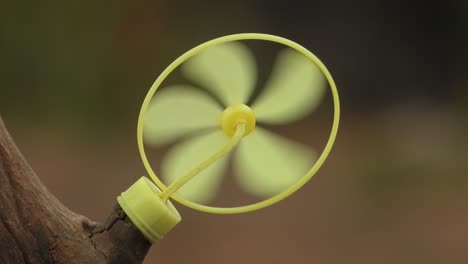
point(35, 227)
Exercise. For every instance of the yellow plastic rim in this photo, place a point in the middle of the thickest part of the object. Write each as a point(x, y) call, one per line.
point(272, 200)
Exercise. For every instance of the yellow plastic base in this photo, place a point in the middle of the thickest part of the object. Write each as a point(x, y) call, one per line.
point(142, 204)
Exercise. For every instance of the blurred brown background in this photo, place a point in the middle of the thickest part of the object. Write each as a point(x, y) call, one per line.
point(74, 74)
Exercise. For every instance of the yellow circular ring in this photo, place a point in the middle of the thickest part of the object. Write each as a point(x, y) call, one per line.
point(271, 200)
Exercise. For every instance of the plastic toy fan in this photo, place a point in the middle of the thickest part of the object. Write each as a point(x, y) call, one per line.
point(265, 164)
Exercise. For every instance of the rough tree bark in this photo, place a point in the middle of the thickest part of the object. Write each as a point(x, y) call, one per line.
point(35, 227)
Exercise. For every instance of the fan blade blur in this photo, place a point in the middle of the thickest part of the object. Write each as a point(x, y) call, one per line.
point(295, 88)
point(177, 111)
point(188, 154)
point(266, 164)
point(228, 70)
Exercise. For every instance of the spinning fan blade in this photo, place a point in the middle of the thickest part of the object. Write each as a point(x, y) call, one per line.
point(295, 88)
point(185, 156)
point(267, 164)
point(177, 111)
point(228, 70)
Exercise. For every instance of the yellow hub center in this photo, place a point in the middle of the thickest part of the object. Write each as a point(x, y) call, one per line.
point(236, 114)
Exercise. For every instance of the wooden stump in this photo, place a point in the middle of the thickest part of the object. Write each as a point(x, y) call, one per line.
point(35, 227)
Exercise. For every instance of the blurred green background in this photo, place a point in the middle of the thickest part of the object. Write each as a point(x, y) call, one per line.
point(74, 75)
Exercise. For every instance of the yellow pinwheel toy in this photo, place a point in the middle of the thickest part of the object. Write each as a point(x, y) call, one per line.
point(208, 133)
